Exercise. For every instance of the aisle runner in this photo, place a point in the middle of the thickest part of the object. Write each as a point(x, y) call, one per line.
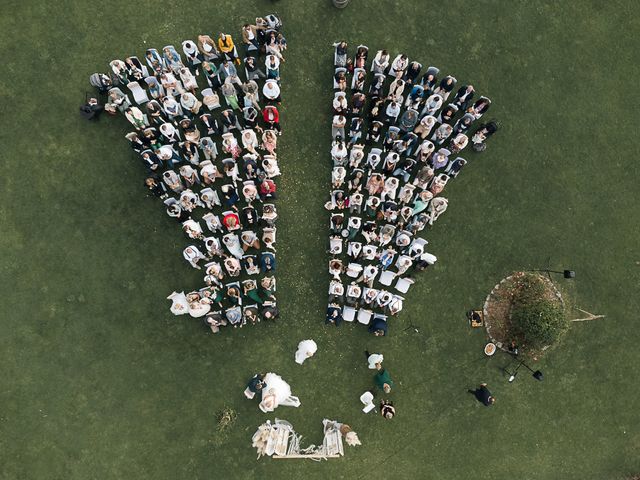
point(397, 137)
point(206, 129)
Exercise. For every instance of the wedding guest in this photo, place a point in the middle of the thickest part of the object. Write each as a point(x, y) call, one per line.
point(214, 321)
point(334, 315)
point(387, 410)
point(271, 91)
point(483, 395)
point(255, 385)
point(193, 256)
point(227, 47)
point(383, 380)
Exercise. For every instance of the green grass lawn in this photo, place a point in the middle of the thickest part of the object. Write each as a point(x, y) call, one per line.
point(100, 381)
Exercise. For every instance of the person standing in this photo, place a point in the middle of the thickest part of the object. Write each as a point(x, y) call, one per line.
point(374, 360)
point(383, 379)
point(255, 385)
point(387, 410)
point(483, 395)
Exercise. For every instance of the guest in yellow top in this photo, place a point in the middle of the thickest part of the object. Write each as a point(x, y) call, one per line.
point(227, 47)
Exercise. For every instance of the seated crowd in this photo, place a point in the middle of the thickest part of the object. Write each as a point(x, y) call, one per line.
point(397, 134)
point(213, 166)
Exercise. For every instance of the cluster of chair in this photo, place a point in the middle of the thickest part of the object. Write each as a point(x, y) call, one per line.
point(395, 147)
point(210, 164)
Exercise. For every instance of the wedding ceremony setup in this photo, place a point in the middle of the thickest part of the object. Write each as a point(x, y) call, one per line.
point(319, 239)
point(219, 182)
point(392, 135)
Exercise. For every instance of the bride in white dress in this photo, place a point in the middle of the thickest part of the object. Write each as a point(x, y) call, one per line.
point(180, 305)
point(276, 392)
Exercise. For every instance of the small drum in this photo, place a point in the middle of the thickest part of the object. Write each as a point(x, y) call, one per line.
point(489, 349)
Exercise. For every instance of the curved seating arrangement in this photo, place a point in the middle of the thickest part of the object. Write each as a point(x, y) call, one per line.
point(397, 135)
point(214, 169)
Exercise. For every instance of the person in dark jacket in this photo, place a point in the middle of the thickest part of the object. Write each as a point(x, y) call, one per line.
point(269, 311)
point(483, 395)
point(378, 327)
point(464, 97)
point(334, 314)
point(91, 110)
point(156, 188)
point(255, 385)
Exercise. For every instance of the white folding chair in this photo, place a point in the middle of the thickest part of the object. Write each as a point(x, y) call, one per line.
point(395, 300)
point(364, 316)
point(367, 400)
point(250, 183)
point(379, 316)
point(348, 314)
point(336, 288)
point(386, 277)
point(335, 245)
point(253, 140)
point(139, 95)
point(354, 270)
point(419, 242)
point(403, 284)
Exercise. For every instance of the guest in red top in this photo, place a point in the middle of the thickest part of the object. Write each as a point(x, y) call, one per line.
point(267, 189)
point(271, 116)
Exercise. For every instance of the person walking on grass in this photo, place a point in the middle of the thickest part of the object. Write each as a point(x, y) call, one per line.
point(382, 379)
point(374, 360)
point(483, 395)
